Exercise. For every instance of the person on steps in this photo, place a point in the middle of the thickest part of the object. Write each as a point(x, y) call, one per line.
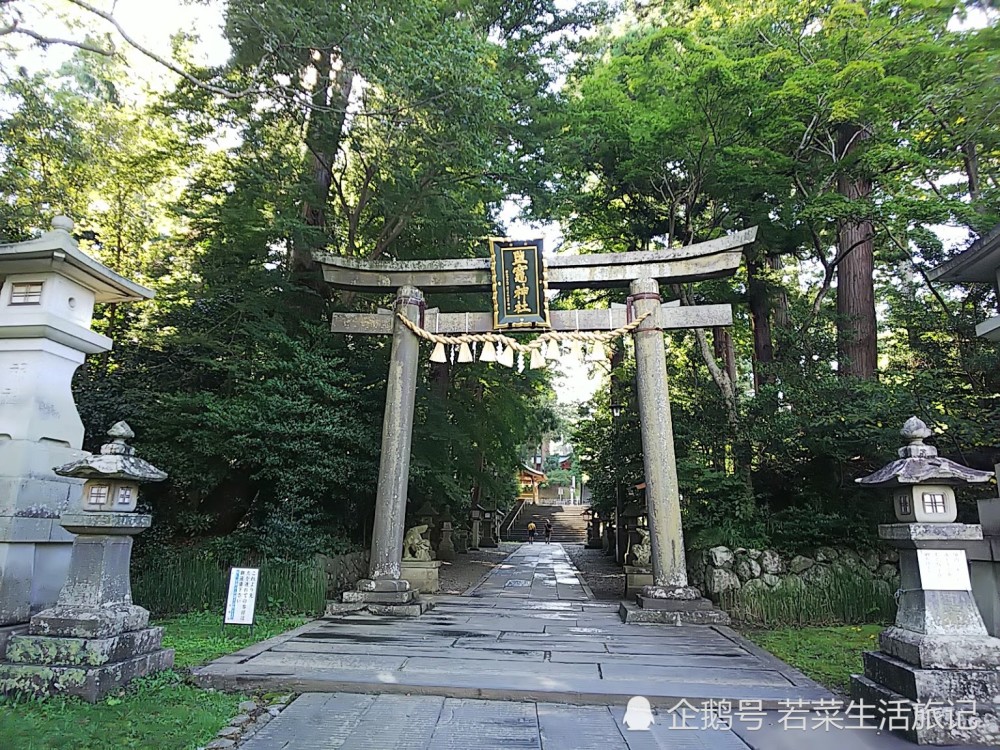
point(531, 532)
point(548, 531)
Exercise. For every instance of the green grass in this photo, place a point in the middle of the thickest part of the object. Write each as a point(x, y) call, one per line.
point(830, 655)
point(191, 581)
point(160, 712)
point(198, 637)
point(841, 598)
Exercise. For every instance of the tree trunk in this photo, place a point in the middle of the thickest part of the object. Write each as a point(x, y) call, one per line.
point(722, 343)
point(857, 343)
point(324, 131)
point(970, 159)
point(760, 324)
point(780, 305)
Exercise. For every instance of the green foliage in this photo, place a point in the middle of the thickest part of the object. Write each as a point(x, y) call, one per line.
point(829, 655)
point(676, 123)
point(694, 120)
point(182, 581)
point(160, 712)
point(841, 597)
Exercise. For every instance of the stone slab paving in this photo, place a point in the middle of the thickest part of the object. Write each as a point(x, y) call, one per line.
point(541, 665)
point(555, 644)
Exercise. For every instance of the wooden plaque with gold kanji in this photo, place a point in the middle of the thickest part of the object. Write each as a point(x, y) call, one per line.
point(518, 271)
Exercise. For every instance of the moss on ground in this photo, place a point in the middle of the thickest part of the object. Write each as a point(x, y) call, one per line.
point(829, 655)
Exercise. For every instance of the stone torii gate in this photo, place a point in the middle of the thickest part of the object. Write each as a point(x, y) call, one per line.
point(670, 597)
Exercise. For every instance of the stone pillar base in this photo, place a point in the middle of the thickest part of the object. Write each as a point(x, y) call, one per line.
point(89, 668)
point(6, 632)
point(937, 681)
point(678, 605)
point(942, 723)
point(940, 652)
point(392, 597)
point(422, 575)
point(636, 579)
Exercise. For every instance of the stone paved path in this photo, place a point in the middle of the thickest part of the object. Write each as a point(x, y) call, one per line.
point(526, 660)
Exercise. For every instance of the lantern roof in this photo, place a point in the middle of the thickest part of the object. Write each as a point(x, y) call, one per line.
point(633, 510)
point(56, 251)
point(117, 460)
point(426, 510)
point(920, 464)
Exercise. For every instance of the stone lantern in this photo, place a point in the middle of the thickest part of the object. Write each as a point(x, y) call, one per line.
point(489, 531)
point(475, 517)
point(938, 657)
point(632, 513)
point(593, 528)
point(638, 571)
point(446, 548)
point(48, 289)
point(94, 640)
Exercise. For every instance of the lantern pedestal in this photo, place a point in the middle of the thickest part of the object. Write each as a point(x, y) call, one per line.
point(422, 575)
point(94, 640)
point(984, 564)
point(938, 667)
point(594, 540)
point(488, 540)
point(636, 578)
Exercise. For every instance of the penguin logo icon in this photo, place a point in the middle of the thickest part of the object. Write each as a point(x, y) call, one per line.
point(638, 715)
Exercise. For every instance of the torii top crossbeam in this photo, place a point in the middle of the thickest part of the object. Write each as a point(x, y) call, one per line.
point(704, 260)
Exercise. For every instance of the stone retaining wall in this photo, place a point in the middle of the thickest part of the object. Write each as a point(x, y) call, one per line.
point(721, 569)
point(343, 571)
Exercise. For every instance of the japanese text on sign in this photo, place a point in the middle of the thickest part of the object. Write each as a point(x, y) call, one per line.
point(518, 284)
point(242, 597)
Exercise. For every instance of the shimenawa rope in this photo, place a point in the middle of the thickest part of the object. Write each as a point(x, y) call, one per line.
point(498, 338)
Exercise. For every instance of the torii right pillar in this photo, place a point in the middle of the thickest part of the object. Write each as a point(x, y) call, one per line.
point(670, 598)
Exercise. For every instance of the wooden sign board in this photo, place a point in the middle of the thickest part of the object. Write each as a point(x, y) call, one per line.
point(242, 597)
point(518, 275)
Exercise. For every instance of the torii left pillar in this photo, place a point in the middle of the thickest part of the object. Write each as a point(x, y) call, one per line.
point(383, 591)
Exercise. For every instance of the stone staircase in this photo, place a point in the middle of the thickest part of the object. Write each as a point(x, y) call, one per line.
point(568, 523)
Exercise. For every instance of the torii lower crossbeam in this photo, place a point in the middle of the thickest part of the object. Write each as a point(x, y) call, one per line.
point(670, 317)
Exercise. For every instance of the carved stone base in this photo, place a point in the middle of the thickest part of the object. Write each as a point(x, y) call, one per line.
point(89, 683)
point(672, 605)
point(382, 584)
point(414, 609)
point(422, 575)
point(96, 652)
point(89, 668)
point(89, 622)
point(935, 724)
point(7, 632)
point(940, 652)
point(632, 613)
point(379, 597)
